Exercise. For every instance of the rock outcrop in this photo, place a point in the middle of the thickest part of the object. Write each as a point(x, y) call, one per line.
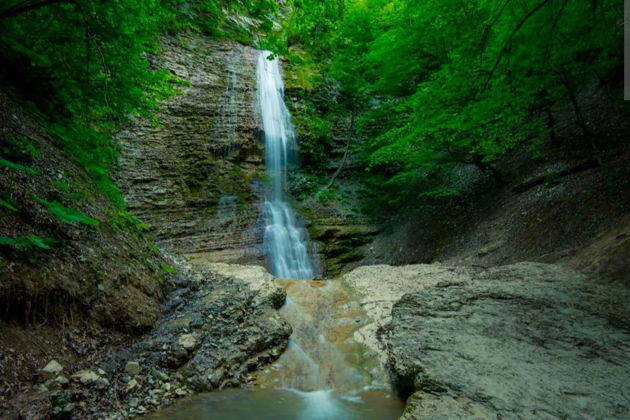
point(527, 340)
point(196, 176)
point(216, 331)
point(255, 277)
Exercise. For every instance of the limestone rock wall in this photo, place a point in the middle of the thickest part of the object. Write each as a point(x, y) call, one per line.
point(196, 177)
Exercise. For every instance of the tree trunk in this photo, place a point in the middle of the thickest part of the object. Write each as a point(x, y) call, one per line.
point(551, 125)
point(345, 153)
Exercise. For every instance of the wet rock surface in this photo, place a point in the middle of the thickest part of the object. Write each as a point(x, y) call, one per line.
point(255, 277)
point(196, 177)
point(527, 340)
point(215, 332)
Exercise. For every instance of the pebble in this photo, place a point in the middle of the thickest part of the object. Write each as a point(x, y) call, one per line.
point(62, 380)
point(132, 385)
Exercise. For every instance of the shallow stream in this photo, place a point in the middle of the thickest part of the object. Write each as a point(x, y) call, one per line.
point(323, 375)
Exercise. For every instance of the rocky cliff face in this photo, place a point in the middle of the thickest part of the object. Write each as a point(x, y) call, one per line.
point(196, 177)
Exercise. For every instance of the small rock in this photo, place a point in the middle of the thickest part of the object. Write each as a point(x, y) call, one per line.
point(62, 380)
point(131, 385)
point(102, 381)
point(52, 385)
point(166, 386)
point(180, 392)
point(216, 376)
point(67, 408)
point(132, 368)
point(187, 341)
point(159, 375)
point(86, 377)
point(52, 369)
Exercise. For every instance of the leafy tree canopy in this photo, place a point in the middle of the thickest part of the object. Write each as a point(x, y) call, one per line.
point(440, 84)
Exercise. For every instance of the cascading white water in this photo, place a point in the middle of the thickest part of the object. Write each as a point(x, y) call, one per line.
point(285, 241)
point(324, 374)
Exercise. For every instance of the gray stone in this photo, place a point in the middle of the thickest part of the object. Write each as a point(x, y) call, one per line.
point(62, 380)
point(257, 278)
point(527, 340)
point(86, 377)
point(133, 384)
point(159, 375)
point(132, 368)
point(68, 408)
point(51, 370)
point(187, 341)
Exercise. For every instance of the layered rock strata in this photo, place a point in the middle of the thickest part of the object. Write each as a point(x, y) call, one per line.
point(195, 177)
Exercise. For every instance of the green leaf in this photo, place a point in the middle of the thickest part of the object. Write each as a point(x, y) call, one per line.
point(17, 167)
point(5, 240)
point(168, 269)
point(7, 205)
point(29, 241)
point(66, 214)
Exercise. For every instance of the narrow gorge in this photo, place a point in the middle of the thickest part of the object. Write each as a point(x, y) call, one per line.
point(301, 210)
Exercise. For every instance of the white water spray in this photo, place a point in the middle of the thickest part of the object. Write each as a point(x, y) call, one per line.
point(285, 241)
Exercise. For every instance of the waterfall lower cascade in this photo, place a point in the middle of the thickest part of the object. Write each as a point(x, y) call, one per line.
point(285, 241)
point(324, 374)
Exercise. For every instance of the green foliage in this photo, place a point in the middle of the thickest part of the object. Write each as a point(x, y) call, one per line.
point(128, 220)
point(325, 195)
point(442, 84)
point(168, 269)
point(66, 214)
point(27, 242)
point(95, 152)
point(17, 167)
point(18, 148)
point(86, 65)
point(6, 202)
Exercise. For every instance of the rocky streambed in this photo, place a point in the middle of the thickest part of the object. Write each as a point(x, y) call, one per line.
point(527, 340)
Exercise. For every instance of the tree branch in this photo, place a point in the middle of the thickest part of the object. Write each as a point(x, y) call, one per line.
point(25, 7)
point(509, 40)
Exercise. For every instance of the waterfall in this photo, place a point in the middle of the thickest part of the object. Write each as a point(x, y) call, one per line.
point(285, 241)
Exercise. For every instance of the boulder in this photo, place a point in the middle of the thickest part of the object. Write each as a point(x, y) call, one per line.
point(257, 278)
point(527, 340)
point(51, 370)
